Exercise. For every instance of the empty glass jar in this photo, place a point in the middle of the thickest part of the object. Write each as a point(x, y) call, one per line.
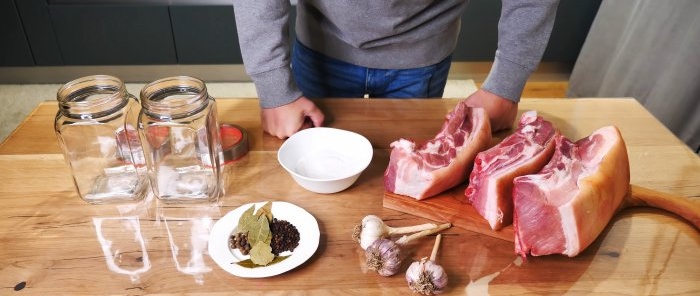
point(180, 134)
point(96, 128)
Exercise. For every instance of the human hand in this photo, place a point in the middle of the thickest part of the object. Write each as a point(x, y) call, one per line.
point(501, 111)
point(284, 121)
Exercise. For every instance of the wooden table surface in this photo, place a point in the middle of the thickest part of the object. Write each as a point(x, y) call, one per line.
point(52, 243)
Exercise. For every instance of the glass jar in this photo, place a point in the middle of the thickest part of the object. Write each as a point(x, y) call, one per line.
point(180, 134)
point(96, 128)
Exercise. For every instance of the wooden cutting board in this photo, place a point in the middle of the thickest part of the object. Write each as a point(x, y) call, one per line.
point(450, 206)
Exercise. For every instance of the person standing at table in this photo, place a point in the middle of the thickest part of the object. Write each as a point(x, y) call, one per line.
point(386, 49)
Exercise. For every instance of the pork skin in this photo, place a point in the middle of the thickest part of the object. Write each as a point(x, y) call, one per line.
point(564, 207)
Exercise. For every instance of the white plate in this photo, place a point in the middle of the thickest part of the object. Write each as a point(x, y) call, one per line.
point(226, 258)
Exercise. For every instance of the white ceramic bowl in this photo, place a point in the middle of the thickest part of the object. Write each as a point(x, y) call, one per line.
point(325, 160)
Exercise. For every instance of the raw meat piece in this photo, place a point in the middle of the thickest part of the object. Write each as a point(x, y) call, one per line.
point(524, 152)
point(422, 171)
point(563, 208)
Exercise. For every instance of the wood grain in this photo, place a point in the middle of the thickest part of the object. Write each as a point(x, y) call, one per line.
point(685, 208)
point(52, 243)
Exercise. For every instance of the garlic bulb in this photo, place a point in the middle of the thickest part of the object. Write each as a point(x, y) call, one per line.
point(374, 228)
point(426, 276)
point(384, 255)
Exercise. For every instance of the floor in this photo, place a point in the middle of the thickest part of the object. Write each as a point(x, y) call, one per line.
point(20, 99)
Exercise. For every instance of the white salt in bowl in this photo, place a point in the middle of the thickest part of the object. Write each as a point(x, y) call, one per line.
point(325, 160)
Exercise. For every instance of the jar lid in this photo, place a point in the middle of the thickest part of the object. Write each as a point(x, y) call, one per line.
point(234, 142)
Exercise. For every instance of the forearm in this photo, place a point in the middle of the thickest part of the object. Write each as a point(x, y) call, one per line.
point(523, 33)
point(264, 41)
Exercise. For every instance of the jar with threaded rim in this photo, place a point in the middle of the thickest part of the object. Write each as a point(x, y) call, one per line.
point(96, 126)
point(179, 129)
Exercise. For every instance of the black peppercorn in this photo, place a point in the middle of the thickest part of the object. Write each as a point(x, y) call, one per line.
point(285, 237)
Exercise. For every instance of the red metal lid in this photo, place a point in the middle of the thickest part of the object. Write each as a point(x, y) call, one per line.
point(234, 142)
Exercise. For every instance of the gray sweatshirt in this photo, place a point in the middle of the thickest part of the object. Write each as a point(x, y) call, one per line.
point(388, 34)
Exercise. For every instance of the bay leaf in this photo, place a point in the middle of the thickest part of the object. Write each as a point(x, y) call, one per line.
point(261, 253)
point(246, 220)
point(266, 210)
point(249, 263)
point(260, 231)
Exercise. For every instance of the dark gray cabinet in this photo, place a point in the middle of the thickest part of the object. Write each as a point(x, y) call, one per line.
point(166, 32)
point(479, 31)
point(38, 28)
point(205, 34)
point(114, 34)
point(15, 50)
point(118, 33)
point(574, 19)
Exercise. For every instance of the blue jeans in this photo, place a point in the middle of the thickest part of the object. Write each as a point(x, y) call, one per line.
point(320, 76)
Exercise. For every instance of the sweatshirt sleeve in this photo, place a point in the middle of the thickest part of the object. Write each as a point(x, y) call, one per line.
point(264, 41)
point(523, 32)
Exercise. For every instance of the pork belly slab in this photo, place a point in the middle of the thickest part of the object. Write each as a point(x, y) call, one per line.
point(524, 152)
point(564, 207)
point(425, 170)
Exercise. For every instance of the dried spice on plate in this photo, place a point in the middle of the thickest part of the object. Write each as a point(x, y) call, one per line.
point(285, 237)
point(263, 237)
